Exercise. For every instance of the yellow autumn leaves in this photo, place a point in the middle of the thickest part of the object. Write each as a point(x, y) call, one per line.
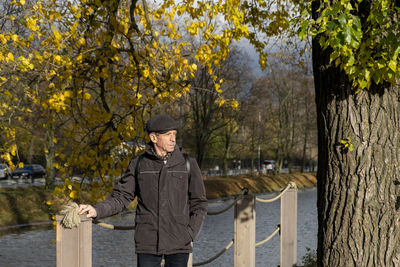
point(88, 69)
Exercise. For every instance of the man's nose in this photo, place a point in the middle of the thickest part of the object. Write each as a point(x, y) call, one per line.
point(173, 138)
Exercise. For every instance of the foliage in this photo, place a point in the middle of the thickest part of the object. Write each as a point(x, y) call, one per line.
point(89, 72)
point(309, 259)
point(363, 37)
point(91, 69)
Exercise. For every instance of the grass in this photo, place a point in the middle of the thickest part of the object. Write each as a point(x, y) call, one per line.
point(25, 205)
point(217, 187)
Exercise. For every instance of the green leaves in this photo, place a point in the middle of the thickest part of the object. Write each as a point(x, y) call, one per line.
point(367, 53)
point(393, 65)
point(302, 33)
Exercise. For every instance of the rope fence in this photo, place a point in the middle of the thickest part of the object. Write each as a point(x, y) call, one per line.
point(230, 245)
point(216, 256)
point(278, 228)
point(290, 185)
point(235, 201)
point(113, 227)
point(243, 238)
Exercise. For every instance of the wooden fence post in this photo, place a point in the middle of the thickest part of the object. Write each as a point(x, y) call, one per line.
point(245, 232)
point(289, 228)
point(190, 261)
point(74, 246)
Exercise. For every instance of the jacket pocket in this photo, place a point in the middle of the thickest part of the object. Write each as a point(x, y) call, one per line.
point(145, 232)
point(180, 180)
point(182, 223)
point(143, 218)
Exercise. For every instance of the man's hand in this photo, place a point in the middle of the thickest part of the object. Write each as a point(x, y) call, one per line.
point(89, 209)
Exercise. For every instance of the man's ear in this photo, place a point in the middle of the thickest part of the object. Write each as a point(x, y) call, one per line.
point(153, 137)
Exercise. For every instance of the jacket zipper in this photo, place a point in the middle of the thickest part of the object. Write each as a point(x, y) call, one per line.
point(158, 208)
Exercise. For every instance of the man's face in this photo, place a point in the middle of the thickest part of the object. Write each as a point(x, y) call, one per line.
point(164, 142)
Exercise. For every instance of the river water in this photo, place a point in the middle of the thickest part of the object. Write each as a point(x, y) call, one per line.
point(116, 248)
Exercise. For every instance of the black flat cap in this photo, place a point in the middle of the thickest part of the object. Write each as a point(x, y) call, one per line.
point(160, 124)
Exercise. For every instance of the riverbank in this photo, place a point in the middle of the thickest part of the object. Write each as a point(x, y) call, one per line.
point(26, 205)
point(218, 187)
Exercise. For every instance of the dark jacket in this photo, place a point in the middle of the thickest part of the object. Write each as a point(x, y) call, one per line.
point(170, 210)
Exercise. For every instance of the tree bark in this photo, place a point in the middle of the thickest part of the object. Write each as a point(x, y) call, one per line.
point(359, 190)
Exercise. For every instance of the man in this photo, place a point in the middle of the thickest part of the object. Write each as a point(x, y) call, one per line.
point(172, 203)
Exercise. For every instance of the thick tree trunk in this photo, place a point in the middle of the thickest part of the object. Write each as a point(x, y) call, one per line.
point(359, 190)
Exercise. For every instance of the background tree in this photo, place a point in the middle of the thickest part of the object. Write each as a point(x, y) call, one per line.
point(257, 110)
point(93, 70)
point(209, 118)
point(23, 139)
point(290, 88)
point(308, 126)
point(204, 113)
point(237, 76)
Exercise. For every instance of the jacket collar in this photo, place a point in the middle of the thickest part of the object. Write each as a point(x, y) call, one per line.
point(174, 158)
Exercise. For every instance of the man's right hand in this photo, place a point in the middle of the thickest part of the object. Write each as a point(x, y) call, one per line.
point(89, 209)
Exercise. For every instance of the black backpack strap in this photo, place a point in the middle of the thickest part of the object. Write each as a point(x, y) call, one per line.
point(187, 165)
point(137, 165)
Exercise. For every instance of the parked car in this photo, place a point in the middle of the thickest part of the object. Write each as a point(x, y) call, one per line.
point(269, 165)
point(5, 172)
point(29, 171)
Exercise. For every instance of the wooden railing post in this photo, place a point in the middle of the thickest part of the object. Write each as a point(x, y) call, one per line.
point(74, 246)
point(289, 228)
point(190, 261)
point(245, 232)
